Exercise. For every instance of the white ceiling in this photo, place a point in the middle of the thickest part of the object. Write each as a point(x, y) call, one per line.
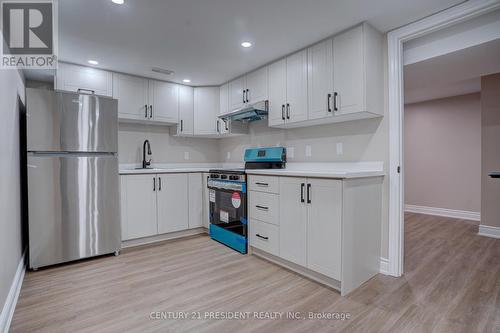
point(453, 74)
point(200, 39)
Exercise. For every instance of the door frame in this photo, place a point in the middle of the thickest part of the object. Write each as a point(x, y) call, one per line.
point(395, 39)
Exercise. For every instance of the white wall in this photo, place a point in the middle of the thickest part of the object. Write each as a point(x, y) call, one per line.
point(11, 84)
point(165, 147)
point(442, 153)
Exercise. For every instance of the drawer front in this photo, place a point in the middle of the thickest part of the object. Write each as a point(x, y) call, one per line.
point(264, 207)
point(268, 184)
point(264, 236)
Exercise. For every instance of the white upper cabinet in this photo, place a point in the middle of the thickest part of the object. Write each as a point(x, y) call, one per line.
point(206, 110)
point(349, 71)
point(132, 95)
point(237, 93)
point(84, 79)
point(277, 92)
point(320, 79)
point(288, 90)
point(296, 87)
point(257, 85)
point(186, 111)
point(224, 99)
point(164, 101)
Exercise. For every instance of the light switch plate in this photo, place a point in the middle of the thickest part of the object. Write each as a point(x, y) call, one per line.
point(308, 151)
point(186, 155)
point(340, 148)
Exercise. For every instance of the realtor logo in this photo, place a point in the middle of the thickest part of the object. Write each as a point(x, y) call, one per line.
point(29, 34)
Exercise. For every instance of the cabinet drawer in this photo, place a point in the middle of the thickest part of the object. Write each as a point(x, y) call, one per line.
point(263, 207)
point(263, 184)
point(264, 236)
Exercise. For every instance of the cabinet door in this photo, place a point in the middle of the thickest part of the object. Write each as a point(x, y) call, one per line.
point(186, 111)
point(277, 92)
point(132, 95)
point(138, 206)
point(237, 97)
point(320, 79)
point(172, 202)
point(348, 72)
point(324, 226)
point(293, 220)
point(195, 200)
point(224, 99)
point(206, 201)
point(73, 78)
point(164, 101)
point(257, 85)
point(296, 87)
point(206, 108)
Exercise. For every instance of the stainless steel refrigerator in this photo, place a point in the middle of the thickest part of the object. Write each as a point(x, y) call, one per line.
point(73, 191)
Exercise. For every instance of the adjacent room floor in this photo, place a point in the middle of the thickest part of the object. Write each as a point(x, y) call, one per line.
point(451, 284)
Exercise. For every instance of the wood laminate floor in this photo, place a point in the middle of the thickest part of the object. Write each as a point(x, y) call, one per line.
point(451, 284)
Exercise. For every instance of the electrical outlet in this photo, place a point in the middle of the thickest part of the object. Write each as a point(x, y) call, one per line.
point(290, 152)
point(228, 155)
point(186, 155)
point(308, 151)
point(340, 148)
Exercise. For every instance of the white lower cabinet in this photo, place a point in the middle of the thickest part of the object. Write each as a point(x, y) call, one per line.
point(326, 229)
point(138, 205)
point(153, 204)
point(195, 185)
point(172, 199)
point(293, 220)
point(324, 226)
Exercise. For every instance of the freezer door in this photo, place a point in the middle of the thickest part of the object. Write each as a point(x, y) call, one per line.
point(62, 121)
point(73, 207)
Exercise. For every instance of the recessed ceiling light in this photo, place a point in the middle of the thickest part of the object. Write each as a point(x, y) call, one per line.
point(246, 44)
point(118, 2)
point(93, 62)
point(186, 80)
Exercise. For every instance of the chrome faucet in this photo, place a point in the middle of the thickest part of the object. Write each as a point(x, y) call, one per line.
point(145, 163)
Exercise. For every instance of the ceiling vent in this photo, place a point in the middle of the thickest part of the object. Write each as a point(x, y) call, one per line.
point(162, 71)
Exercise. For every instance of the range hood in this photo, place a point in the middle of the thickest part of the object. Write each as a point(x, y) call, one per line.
point(252, 112)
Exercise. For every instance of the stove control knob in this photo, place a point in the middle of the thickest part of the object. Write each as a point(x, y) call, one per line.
point(214, 176)
point(223, 177)
point(233, 177)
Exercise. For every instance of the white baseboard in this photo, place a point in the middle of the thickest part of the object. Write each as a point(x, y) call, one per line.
point(384, 266)
point(486, 230)
point(11, 301)
point(453, 213)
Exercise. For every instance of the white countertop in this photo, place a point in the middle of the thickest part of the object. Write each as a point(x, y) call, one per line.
point(326, 170)
point(130, 169)
point(318, 170)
